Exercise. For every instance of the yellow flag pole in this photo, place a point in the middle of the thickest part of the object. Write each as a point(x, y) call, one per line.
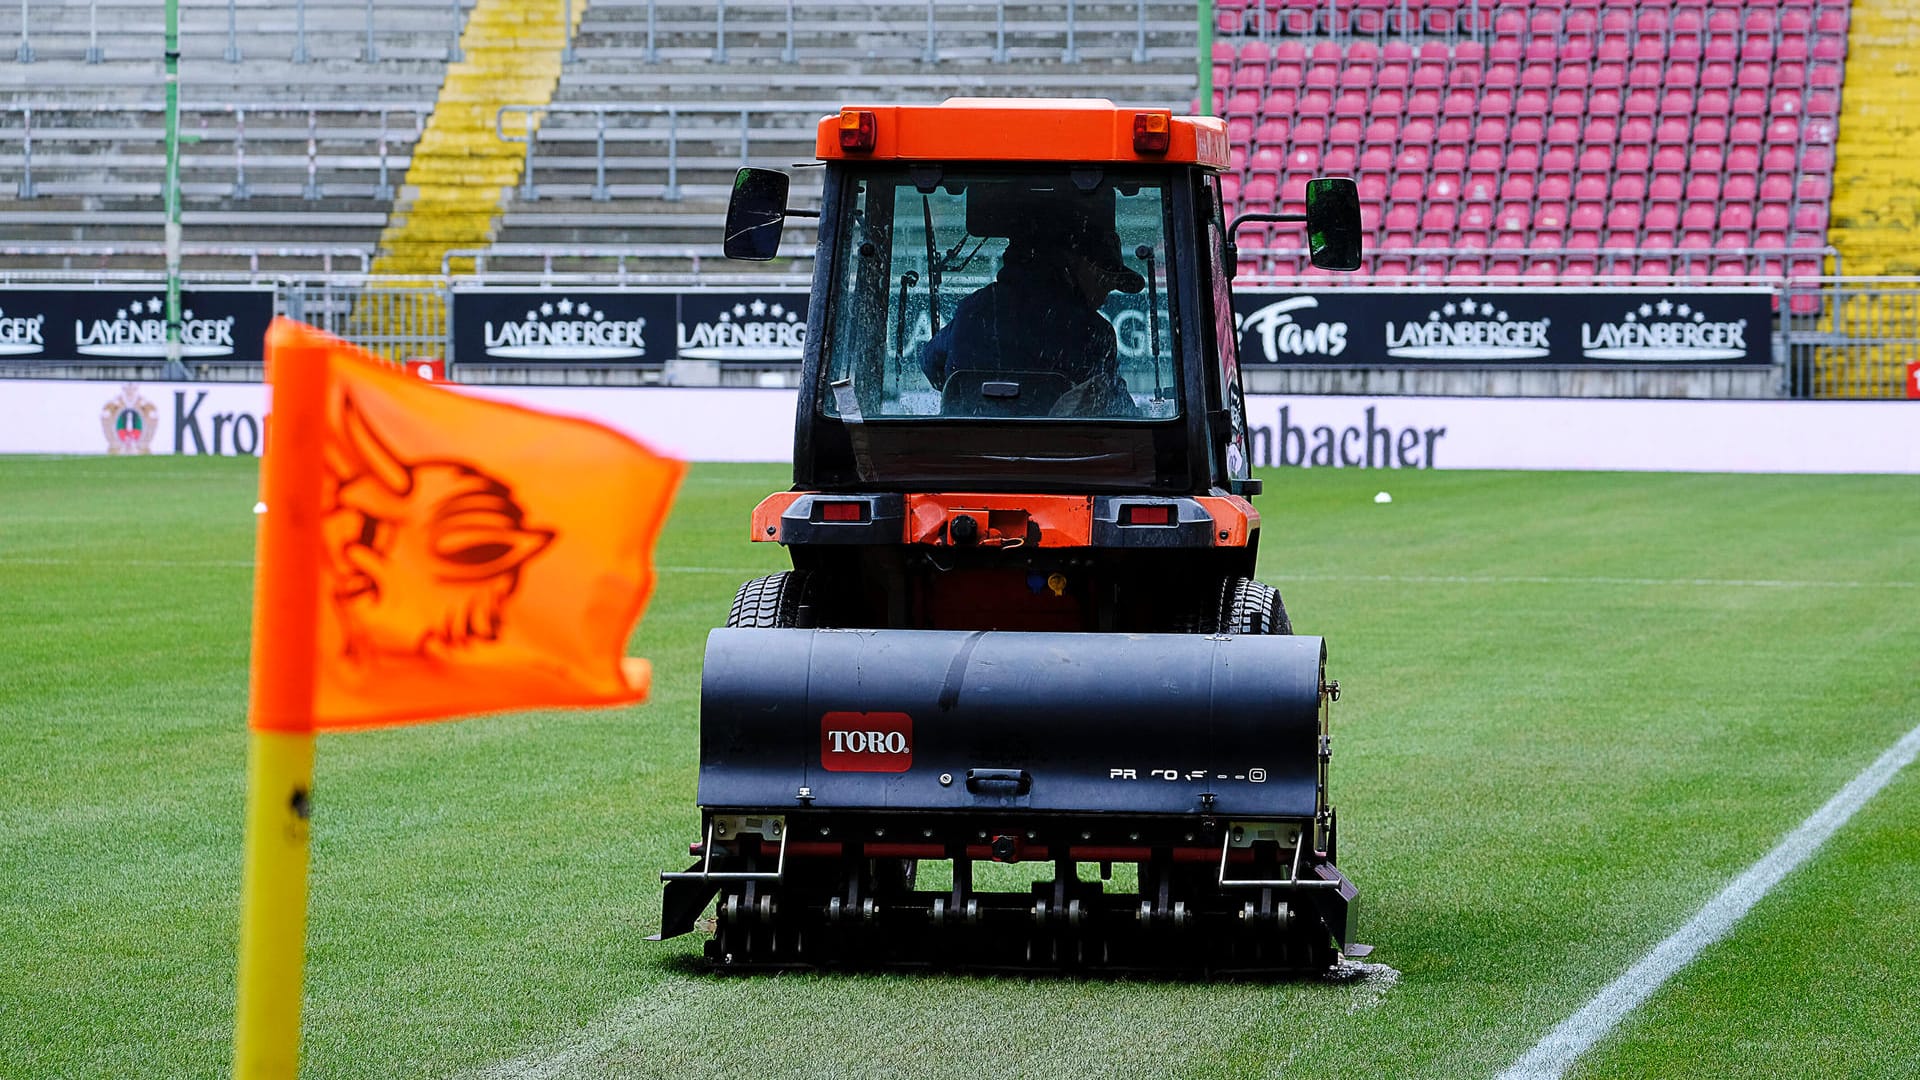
point(286, 598)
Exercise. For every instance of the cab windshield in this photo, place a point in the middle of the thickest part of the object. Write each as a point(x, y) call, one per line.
point(989, 293)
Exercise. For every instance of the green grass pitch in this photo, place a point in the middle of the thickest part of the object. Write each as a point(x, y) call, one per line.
point(1576, 706)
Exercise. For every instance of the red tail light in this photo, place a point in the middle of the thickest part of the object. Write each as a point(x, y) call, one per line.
point(857, 130)
point(843, 511)
point(1146, 515)
point(1152, 132)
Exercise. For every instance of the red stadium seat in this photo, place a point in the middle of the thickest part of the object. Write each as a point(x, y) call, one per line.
point(1662, 217)
point(1740, 187)
point(1666, 186)
point(1591, 188)
point(1699, 217)
point(1631, 189)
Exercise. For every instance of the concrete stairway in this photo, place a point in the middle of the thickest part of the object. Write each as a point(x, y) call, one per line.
point(1876, 200)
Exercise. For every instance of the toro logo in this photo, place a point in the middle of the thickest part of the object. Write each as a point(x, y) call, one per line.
point(866, 742)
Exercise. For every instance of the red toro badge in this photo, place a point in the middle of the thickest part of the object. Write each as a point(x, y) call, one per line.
point(866, 742)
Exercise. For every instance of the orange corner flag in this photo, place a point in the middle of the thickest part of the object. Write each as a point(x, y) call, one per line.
point(464, 555)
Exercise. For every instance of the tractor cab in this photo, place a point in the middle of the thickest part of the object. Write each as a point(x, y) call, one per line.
point(1027, 294)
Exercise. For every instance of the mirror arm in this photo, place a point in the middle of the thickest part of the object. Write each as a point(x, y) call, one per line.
point(792, 212)
point(1234, 228)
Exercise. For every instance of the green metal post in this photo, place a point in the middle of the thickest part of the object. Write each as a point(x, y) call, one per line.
point(1206, 57)
point(170, 193)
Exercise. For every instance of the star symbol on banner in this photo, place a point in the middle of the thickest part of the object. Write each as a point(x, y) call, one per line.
point(759, 307)
point(546, 309)
point(776, 311)
point(739, 310)
point(1646, 310)
point(1502, 316)
point(1468, 307)
point(599, 316)
point(1686, 310)
point(726, 316)
point(1448, 310)
point(1666, 307)
point(120, 316)
point(793, 316)
point(566, 307)
point(153, 306)
point(532, 315)
point(187, 315)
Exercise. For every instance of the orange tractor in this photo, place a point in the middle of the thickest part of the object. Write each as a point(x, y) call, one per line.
point(1022, 632)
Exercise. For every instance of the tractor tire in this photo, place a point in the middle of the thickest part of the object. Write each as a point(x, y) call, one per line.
point(777, 601)
point(1248, 607)
point(1238, 606)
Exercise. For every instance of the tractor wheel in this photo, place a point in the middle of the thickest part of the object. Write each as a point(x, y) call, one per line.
point(777, 601)
point(1248, 607)
point(1238, 606)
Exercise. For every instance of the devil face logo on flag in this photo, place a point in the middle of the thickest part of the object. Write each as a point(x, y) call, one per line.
point(425, 554)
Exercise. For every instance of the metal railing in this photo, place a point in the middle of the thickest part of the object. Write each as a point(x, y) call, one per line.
point(206, 126)
point(231, 51)
point(1851, 337)
point(1607, 265)
point(356, 259)
point(602, 261)
point(930, 49)
point(531, 129)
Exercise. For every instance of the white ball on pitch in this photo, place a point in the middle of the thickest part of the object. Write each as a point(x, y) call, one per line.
point(1383, 497)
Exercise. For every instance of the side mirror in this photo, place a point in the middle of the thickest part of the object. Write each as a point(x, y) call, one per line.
point(1333, 223)
point(757, 213)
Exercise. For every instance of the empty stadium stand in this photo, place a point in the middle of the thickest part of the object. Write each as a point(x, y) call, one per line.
point(1552, 141)
point(298, 122)
point(662, 102)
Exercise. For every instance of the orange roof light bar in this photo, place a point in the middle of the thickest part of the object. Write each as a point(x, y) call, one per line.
point(1022, 129)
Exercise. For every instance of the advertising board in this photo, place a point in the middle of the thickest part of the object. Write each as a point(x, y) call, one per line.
point(627, 327)
point(1465, 327)
point(714, 424)
point(104, 324)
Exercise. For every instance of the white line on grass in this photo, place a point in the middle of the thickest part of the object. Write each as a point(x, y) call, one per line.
point(586, 1053)
point(1553, 1055)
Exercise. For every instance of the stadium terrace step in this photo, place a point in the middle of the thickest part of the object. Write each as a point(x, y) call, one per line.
point(460, 167)
point(1876, 194)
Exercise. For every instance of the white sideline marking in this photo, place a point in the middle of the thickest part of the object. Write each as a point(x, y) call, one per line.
point(1553, 1055)
point(578, 1056)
